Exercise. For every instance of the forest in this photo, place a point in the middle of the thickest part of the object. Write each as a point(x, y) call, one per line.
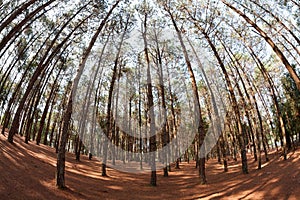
point(141, 99)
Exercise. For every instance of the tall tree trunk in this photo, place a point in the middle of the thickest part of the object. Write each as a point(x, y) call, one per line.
point(38, 71)
point(109, 101)
point(16, 13)
point(45, 141)
point(271, 87)
point(13, 98)
point(261, 129)
point(150, 105)
point(253, 87)
point(252, 128)
point(19, 26)
point(45, 112)
point(275, 48)
point(198, 114)
point(140, 117)
point(215, 109)
point(165, 134)
point(241, 133)
point(60, 166)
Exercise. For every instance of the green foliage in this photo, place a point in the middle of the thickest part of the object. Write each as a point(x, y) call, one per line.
point(291, 105)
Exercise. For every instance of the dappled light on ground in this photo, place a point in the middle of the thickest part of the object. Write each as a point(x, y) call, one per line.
point(28, 172)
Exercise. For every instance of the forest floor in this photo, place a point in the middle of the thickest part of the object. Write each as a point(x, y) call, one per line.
point(27, 171)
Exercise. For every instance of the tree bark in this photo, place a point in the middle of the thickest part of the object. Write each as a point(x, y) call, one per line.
point(241, 133)
point(60, 170)
point(6, 39)
point(198, 114)
point(275, 48)
point(38, 71)
point(109, 103)
point(150, 105)
point(16, 13)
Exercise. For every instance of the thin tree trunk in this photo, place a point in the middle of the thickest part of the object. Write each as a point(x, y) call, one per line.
point(49, 121)
point(150, 105)
point(60, 170)
point(43, 118)
point(215, 109)
point(16, 13)
point(8, 111)
point(276, 103)
point(198, 114)
point(241, 133)
point(13, 31)
point(39, 70)
point(109, 103)
point(165, 134)
point(270, 42)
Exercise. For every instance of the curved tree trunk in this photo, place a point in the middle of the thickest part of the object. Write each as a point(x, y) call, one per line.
point(45, 141)
point(241, 133)
point(8, 111)
point(271, 87)
point(60, 166)
point(110, 99)
point(165, 135)
point(19, 26)
point(261, 129)
point(150, 105)
point(248, 114)
point(278, 20)
point(198, 114)
point(270, 42)
point(47, 105)
point(16, 13)
point(38, 71)
point(253, 87)
point(215, 109)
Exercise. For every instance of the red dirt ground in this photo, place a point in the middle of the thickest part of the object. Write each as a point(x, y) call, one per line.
point(27, 171)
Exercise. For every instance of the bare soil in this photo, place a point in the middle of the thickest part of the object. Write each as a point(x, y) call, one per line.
point(27, 171)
